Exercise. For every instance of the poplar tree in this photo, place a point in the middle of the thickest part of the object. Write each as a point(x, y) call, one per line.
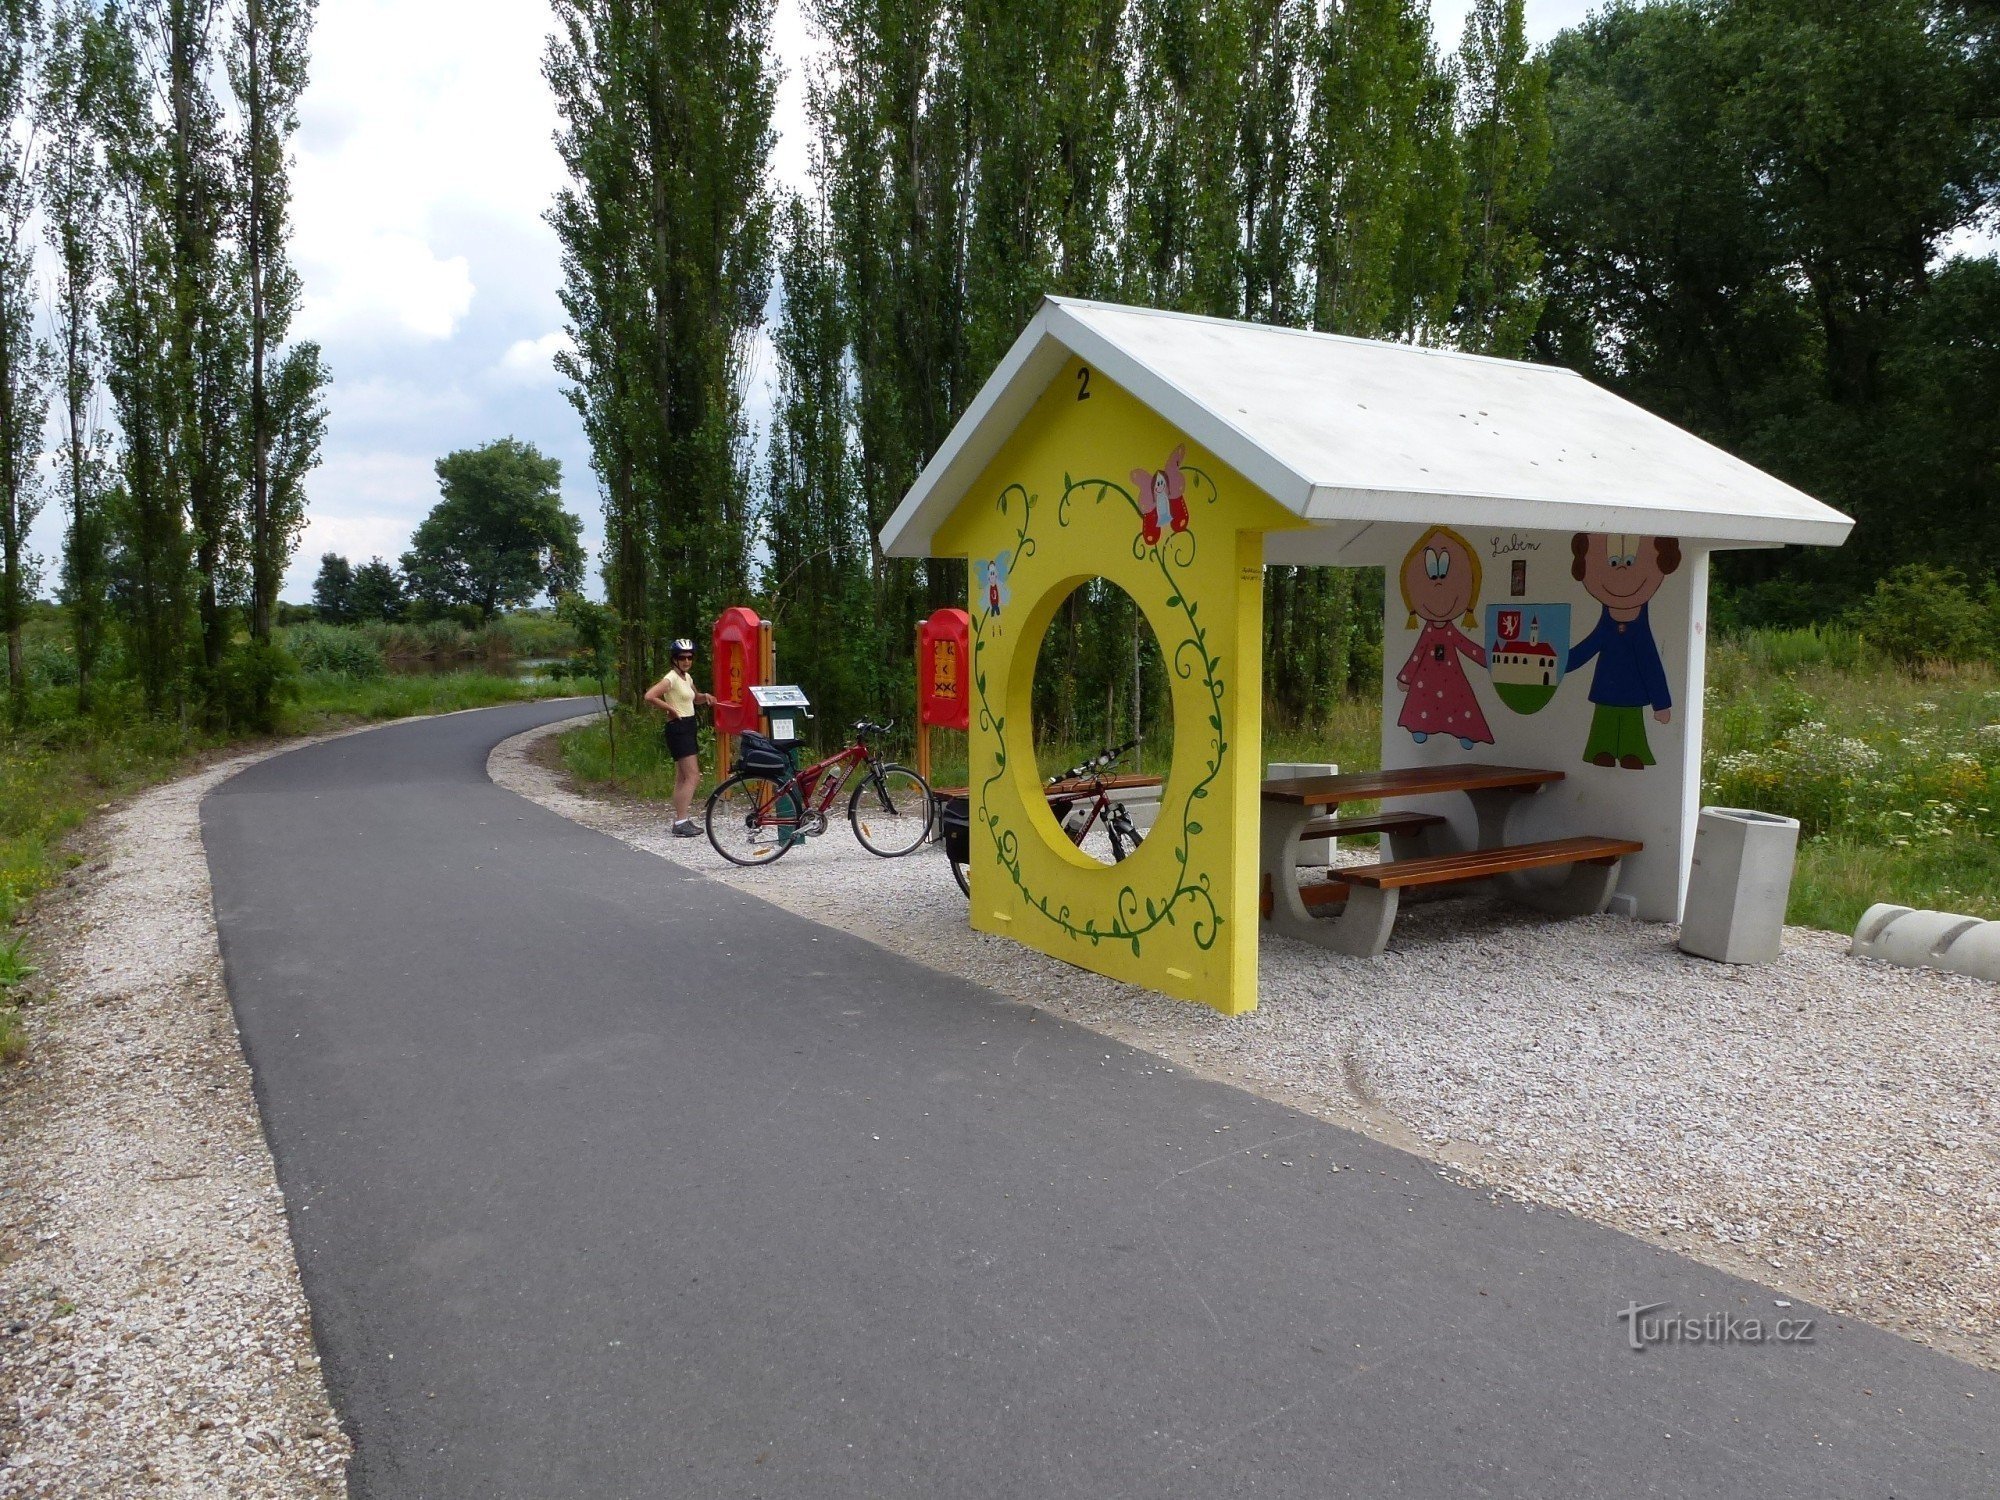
point(151, 546)
point(1181, 144)
point(705, 93)
point(1043, 84)
point(1383, 188)
point(72, 185)
point(1270, 148)
point(665, 228)
point(600, 219)
point(24, 359)
point(817, 581)
point(892, 114)
point(282, 414)
point(1503, 104)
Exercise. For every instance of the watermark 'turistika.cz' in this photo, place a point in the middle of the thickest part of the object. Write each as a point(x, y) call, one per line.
point(1651, 1323)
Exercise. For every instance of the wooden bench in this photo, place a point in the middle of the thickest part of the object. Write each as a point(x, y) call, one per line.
point(1391, 823)
point(1484, 864)
point(1374, 891)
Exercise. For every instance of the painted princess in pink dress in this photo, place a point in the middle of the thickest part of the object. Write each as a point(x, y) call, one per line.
point(1440, 585)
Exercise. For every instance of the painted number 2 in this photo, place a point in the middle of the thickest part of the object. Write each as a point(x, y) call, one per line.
point(1083, 383)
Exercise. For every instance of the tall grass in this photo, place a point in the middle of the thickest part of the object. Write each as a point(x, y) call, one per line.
point(1894, 777)
point(374, 646)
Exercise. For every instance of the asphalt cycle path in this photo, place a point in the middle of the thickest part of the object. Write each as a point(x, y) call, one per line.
point(609, 1180)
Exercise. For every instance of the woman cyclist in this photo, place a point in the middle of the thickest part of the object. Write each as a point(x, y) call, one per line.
point(676, 696)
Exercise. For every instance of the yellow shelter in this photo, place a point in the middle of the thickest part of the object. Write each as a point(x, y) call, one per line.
point(1176, 456)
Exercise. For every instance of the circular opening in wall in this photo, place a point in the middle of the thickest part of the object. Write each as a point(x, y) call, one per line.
point(1103, 714)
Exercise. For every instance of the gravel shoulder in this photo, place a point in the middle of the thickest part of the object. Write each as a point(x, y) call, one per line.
point(154, 1338)
point(1825, 1125)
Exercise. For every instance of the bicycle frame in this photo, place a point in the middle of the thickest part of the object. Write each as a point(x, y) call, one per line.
point(823, 781)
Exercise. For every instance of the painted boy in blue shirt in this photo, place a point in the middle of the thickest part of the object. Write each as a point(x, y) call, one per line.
point(1623, 573)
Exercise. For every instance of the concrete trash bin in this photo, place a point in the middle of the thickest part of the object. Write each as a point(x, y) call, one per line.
point(1737, 890)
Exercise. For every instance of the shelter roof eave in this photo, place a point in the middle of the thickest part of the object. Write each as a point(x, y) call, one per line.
point(1448, 437)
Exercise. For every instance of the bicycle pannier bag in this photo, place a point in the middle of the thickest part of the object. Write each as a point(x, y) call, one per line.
point(761, 756)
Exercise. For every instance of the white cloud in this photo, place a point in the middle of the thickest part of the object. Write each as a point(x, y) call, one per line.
point(385, 283)
point(532, 361)
point(422, 123)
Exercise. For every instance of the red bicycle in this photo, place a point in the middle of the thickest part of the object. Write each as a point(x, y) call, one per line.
point(760, 813)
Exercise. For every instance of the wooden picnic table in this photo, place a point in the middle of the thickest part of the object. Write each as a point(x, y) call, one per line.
point(1292, 804)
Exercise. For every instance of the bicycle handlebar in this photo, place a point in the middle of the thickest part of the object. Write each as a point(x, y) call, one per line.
point(1109, 756)
point(862, 728)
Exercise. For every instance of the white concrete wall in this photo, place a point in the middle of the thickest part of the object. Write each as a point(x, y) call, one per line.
point(1656, 805)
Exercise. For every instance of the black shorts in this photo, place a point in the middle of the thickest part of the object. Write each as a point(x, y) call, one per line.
point(681, 738)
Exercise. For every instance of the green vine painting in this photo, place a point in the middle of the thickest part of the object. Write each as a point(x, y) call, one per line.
point(1135, 914)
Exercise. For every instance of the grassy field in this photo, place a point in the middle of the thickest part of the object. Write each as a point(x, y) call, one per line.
point(1893, 774)
point(60, 769)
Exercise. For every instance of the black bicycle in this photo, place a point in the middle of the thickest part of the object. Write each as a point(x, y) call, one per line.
point(1078, 798)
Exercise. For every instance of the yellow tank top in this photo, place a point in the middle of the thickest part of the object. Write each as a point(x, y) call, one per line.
point(678, 690)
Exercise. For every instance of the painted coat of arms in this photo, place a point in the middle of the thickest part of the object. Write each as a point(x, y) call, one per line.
point(1526, 646)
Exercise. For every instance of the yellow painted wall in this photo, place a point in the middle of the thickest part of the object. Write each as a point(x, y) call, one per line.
point(1058, 505)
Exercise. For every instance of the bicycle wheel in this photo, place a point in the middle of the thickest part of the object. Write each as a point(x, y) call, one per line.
point(962, 874)
point(753, 820)
point(891, 811)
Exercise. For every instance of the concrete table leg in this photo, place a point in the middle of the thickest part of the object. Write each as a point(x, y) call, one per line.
point(1365, 922)
point(1491, 807)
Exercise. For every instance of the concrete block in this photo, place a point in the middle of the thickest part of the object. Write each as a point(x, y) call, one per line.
point(1929, 940)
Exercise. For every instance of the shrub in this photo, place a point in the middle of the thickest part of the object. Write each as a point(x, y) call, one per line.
point(50, 664)
point(1787, 650)
point(258, 678)
point(343, 650)
point(1924, 614)
point(538, 633)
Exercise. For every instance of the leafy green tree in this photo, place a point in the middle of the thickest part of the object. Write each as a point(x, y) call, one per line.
point(206, 324)
point(25, 365)
point(499, 536)
point(602, 218)
point(595, 627)
point(1180, 143)
point(1921, 613)
point(891, 112)
point(333, 590)
point(1745, 226)
point(1384, 186)
point(378, 592)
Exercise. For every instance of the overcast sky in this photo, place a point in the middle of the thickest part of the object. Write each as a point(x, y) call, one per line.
point(424, 164)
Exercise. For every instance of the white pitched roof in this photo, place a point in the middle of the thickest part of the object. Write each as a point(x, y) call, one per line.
point(1344, 431)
